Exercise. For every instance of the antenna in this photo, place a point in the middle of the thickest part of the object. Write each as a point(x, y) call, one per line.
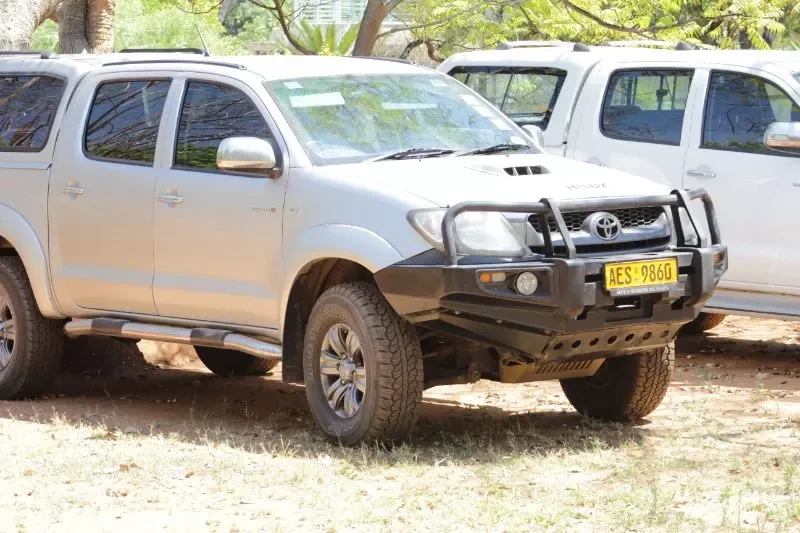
point(203, 41)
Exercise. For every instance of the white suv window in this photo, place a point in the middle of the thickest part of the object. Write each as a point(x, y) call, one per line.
point(212, 112)
point(527, 95)
point(646, 105)
point(27, 107)
point(124, 120)
point(740, 108)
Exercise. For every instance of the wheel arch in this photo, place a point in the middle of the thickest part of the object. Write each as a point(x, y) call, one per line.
point(17, 237)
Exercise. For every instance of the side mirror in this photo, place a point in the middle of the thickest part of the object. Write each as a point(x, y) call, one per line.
point(783, 137)
point(535, 133)
point(246, 154)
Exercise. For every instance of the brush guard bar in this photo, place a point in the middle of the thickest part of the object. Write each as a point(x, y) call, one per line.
point(547, 207)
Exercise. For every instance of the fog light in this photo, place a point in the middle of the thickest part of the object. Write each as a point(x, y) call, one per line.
point(526, 283)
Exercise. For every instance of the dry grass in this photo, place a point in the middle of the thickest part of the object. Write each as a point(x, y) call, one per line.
point(185, 451)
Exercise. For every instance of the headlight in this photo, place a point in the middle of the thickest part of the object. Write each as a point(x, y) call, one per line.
point(477, 233)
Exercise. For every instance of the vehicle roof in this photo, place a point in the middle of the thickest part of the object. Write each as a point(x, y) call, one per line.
point(271, 67)
point(565, 55)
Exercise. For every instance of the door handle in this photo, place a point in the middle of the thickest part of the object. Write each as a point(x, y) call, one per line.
point(698, 173)
point(595, 161)
point(170, 199)
point(73, 189)
point(796, 184)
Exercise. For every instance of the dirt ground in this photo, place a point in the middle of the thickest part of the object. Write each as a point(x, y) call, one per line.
point(178, 449)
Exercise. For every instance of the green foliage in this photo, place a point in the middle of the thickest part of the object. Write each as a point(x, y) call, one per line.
point(45, 37)
point(158, 24)
point(248, 22)
point(463, 24)
point(326, 40)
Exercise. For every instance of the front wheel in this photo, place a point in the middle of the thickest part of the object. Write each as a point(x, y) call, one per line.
point(362, 366)
point(624, 388)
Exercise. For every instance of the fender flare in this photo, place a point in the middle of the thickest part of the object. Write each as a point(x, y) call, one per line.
point(21, 235)
point(332, 241)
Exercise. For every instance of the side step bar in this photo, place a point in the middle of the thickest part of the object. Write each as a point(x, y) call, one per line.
point(212, 338)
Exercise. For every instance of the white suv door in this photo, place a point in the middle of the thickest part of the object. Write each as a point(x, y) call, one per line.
point(756, 191)
point(217, 234)
point(634, 117)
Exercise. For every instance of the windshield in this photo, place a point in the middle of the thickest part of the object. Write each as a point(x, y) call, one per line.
point(346, 119)
point(797, 77)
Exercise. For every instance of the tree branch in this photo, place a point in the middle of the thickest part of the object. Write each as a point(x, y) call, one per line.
point(285, 22)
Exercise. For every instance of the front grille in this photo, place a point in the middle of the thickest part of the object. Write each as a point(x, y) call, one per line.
point(647, 244)
point(636, 217)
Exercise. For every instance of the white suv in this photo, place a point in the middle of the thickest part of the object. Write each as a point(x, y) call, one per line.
point(728, 121)
point(342, 216)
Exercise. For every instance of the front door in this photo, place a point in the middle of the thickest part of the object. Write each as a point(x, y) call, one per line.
point(756, 191)
point(217, 234)
point(635, 119)
point(101, 195)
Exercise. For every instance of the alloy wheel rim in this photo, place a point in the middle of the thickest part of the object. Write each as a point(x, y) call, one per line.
point(8, 332)
point(342, 371)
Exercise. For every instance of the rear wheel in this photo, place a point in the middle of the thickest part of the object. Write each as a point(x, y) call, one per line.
point(362, 366)
point(30, 344)
point(624, 388)
point(703, 322)
point(229, 363)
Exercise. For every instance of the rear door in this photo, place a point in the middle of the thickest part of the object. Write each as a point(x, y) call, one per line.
point(756, 191)
point(217, 234)
point(634, 117)
point(101, 193)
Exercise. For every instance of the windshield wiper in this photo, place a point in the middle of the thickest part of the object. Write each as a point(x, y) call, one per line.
point(496, 149)
point(414, 152)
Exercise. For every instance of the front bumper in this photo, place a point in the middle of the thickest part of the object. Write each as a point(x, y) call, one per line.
point(571, 315)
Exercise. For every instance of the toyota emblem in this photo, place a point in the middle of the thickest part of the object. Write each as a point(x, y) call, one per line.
point(606, 226)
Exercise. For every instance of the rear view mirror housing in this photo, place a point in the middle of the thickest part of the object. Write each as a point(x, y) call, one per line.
point(249, 155)
point(783, 137)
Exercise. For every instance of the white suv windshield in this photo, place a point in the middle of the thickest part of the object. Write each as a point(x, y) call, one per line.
point(797, 77)
point(345, 119)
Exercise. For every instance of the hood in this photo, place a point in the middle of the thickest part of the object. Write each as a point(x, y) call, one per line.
point(447, 181)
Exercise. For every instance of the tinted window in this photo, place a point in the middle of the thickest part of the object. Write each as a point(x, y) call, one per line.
point(211, 113)
point(27, 107)
point(123, 122)
point(646, 105)
point(526, 95)
point(740, 108)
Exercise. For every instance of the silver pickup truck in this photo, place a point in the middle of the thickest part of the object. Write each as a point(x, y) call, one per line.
point(375, 226)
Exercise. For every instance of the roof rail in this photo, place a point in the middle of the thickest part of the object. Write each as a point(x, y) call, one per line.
point(392, 59)
point(509, 45)
point(645, 43)
point(163, 61)
point(43, 54)
point(165, 51)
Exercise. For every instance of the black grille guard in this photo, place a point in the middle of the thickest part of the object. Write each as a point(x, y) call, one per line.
point(548, 207)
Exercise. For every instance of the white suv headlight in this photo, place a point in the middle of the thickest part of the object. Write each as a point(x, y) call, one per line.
point(477, 233)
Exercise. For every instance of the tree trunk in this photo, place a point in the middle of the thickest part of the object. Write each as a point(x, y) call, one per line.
point(86, 25)
point(374, 15)
point(18, 20)
point(100, 25)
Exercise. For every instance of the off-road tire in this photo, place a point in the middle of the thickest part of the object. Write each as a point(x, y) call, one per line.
point(36, 358)
point(624, 388)
point(392, 357)
point(703, 322)
point(230, 363)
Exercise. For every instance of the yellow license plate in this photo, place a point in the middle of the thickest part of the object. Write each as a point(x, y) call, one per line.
point(640, 277)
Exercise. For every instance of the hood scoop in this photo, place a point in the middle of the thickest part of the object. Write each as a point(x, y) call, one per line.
point(526, 170)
